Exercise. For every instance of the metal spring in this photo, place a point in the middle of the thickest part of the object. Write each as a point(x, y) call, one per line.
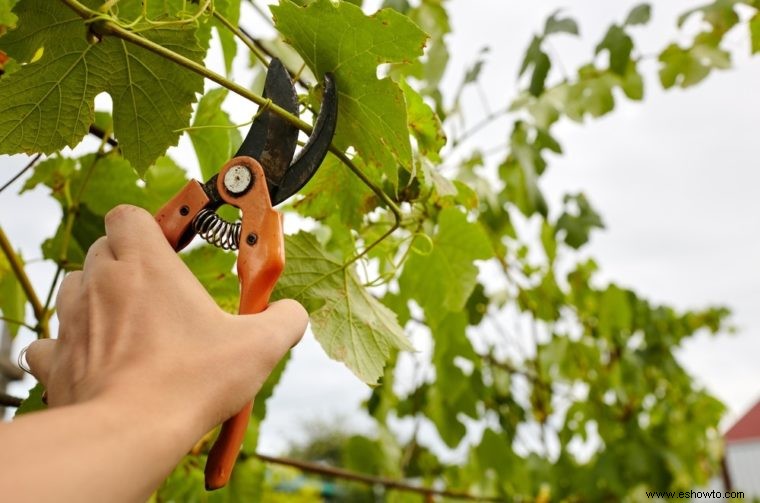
point(216, 230)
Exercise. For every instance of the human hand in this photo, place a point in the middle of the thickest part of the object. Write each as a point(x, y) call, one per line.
point(138, 331)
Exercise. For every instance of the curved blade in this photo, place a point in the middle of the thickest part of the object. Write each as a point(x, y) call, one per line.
point(272, 140)
point(315, 150)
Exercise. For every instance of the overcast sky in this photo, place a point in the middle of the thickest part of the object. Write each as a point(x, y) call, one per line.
point(675, 179)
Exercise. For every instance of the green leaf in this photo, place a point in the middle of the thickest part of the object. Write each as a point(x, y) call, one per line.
point(592, 94)
point(521, 169)
point(531, 53)
point(12, 296)
point(246, 484)
point(639, 15)
point(556, 24)
point(495, 452)
point(449, 427)
point(548, 241)
point(686, 67)
point(541, 64)
point(754, 30)
point(335, 182)
point(614, 312)
point(541, 68)
point(351, 325)
point(230, 9)
point(444, 279)
point(424, 124)
point(33, 402)
point(109, 181)
point(578, 220)
point(214, 138)
point(619, 45)
point(477, 305)
point(473, 73)
point(185, 483)
point(7, 17)
point(462, 391)
point(341, 39)
point(431, 16)
point(51, 98)
point(364, 455)
point(721, 15)
point(213, 268)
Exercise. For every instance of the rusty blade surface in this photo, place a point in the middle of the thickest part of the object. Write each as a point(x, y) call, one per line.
point(272, 140)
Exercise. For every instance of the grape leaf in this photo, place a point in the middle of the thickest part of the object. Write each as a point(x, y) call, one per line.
point(537, 59)
point(213, 268)
point(443, 279)
point(341, 39)
point(230, 9)
point(556, 24)
point(33, 402)
point(462, 390)
point(686, 67)
point(639, 15)
point(7, 18)
point(754, 30)
point(619, 45)
point(214, 146)
point(50, 99)
point(110, 180)
point(334, 182)
point(424, 124)
point(351, 325)
point(578, 220)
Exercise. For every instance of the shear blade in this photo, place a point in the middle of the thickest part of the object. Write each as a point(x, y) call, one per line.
point(271, 139)
point(315, 150)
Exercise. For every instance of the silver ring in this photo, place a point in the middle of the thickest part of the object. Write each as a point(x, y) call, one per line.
point(22, 362)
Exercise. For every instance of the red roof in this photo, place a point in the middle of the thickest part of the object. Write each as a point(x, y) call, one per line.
point(746, 428)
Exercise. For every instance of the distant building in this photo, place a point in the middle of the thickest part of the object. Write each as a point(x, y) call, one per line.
point(742, 454)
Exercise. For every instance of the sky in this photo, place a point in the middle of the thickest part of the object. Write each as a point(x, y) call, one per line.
point(674, 178)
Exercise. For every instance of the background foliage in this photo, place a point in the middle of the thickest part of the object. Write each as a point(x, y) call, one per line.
point(595, 408)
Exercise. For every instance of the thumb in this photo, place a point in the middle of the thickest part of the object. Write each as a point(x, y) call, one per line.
point(39, 356)
point(276, 329)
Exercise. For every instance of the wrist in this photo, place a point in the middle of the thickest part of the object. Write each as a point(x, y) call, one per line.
point(147, 415)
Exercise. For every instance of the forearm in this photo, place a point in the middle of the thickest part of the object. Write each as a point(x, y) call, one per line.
point(91, 452)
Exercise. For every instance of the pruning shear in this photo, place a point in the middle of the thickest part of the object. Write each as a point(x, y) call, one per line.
point(259, 177)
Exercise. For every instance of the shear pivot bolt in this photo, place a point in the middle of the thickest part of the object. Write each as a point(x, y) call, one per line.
point(251, 239)
point(238, 179)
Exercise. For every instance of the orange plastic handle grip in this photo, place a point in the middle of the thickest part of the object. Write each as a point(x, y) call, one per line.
point(261, 258)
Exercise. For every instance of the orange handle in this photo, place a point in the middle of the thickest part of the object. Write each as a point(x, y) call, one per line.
point(261, 258)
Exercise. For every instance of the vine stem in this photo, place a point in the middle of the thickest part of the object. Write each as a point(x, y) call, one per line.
point(106, 26)
point(7, 400)
point(40, 313)
point(17, 322)
point(18, 175)
point(371, 480)
point(239, 33)
point(486, 121)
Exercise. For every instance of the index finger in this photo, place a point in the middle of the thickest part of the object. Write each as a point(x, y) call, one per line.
point(133, 234)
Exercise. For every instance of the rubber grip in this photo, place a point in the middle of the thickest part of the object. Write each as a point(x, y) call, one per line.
point(261, 259)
